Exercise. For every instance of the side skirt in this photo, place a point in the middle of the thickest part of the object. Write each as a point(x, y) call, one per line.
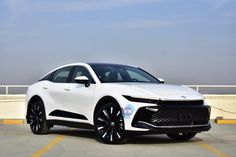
point(67, 114)
point(70, 124)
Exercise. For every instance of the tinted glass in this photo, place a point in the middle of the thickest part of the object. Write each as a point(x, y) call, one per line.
point(61, 75)
point(82, 71)
point(122, 73)
point(47, 77)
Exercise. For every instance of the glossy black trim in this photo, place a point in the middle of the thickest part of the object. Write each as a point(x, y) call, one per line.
point(181, 103)
point(153, 130)
point(66, 114)
point(151, 101)
point(70, 124)
point(71, 74)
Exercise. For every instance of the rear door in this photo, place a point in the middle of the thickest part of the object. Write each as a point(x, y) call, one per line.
point(55, 90)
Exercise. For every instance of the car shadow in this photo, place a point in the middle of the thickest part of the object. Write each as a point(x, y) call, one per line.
point(157, 139)
point(84, 133)
point(140, 139)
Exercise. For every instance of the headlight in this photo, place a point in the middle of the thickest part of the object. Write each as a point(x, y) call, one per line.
point(151, 101)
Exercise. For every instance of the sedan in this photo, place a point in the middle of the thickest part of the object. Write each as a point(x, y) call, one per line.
point(116, 101)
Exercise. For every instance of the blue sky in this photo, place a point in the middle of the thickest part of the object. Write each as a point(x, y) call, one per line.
point(182, 41)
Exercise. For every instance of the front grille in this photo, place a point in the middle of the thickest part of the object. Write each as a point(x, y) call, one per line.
point(183, 116)
point(173, 115)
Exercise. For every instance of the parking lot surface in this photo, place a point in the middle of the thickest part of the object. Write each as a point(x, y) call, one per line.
point(18, 141)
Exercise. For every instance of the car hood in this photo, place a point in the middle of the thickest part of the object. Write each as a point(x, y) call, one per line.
point(163, 91)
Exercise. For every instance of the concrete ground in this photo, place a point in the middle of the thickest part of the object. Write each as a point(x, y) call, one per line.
point(18, 141)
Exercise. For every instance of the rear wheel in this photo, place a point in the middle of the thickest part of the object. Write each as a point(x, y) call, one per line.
point(109, 124)
point(37, 118)
point(181, 136)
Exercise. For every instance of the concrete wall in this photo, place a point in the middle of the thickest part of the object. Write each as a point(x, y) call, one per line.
point(222, 106)
point(13, 106)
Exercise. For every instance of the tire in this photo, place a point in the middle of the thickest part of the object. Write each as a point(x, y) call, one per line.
point(37, 118)
point(181, 136)
point(109, 124)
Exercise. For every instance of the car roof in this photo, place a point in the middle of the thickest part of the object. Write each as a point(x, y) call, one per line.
point(93, 64)
point(84, 64)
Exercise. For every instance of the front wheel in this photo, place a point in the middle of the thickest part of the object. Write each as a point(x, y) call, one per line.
point(37, 118)
point(109, 124)
point(181, 136)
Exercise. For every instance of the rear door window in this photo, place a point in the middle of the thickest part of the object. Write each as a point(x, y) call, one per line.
point(62, 75)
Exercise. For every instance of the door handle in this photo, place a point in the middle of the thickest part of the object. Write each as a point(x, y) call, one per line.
point(45, 88)
point(67, 89)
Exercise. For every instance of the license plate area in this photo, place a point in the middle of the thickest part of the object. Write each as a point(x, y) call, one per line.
point(185, 117)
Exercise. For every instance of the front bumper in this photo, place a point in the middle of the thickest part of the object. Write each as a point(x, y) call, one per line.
point(172, 129)
point(173, 118)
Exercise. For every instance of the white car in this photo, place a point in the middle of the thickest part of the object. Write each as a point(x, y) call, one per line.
point(115, 100)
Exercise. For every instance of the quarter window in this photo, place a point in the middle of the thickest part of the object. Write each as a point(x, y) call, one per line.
point(47, 77)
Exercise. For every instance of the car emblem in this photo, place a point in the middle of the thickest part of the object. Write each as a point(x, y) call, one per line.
point(183, 97)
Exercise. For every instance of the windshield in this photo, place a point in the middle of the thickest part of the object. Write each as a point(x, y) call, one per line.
point(121, 73)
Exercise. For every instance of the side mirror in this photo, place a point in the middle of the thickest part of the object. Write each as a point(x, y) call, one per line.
point(82, 80)
point(161, 80)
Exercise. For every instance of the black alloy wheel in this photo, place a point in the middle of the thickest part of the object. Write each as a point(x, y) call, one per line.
point(37, 118)
point(109, 124)
point(181, 136)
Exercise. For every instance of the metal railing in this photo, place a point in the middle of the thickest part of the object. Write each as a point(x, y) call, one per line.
point(12, 86)
point(197, 87)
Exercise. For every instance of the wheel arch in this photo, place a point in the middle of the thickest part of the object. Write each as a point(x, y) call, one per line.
point(103, 101)
point(33, 99)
